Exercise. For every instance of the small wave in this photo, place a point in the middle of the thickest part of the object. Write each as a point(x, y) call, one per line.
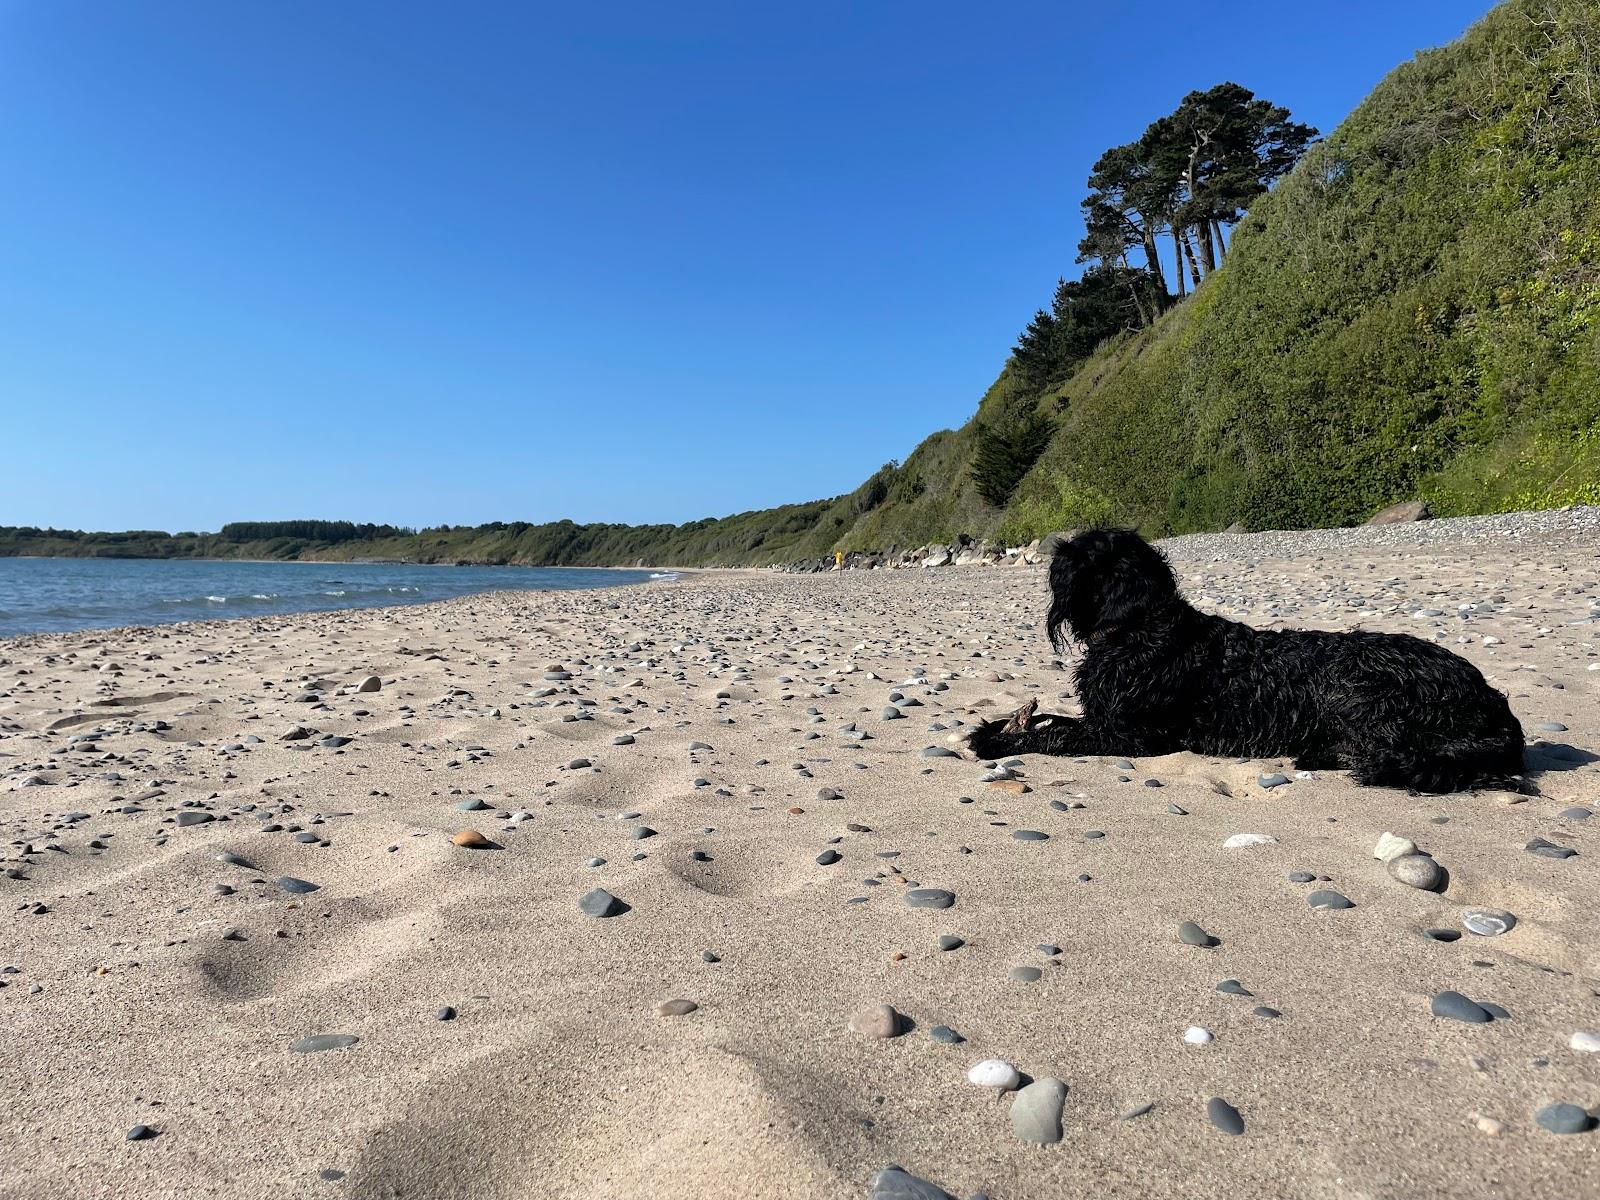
point(663, 575)
point(216, 599)
point(263, 595)
point(338, 593)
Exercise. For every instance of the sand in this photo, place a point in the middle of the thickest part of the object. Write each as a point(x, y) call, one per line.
point(143, 995)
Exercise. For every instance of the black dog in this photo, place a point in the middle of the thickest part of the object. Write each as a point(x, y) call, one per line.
point(1158, 675)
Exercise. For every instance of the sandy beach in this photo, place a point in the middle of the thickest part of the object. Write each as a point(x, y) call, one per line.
point(753, 765)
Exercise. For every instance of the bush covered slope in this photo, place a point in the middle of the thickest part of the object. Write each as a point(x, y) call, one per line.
point(1415, 310)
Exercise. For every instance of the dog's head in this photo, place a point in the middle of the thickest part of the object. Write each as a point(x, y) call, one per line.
point(1105, 580)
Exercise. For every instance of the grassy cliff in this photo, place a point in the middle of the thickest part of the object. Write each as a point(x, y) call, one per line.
point(1413, 311)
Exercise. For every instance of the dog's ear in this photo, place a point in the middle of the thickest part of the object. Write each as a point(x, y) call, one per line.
point(1105, 578)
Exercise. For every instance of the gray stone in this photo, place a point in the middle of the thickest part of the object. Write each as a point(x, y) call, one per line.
point(949, 941)
point(1030, 835)
point(1549, 849)
point(185, 819)
point(1564, 1118)
point(298, 886)
point(1026, 974)
point(1036, 1112)
point(1418, 871)
point(1191, 934)
point(1224, 1116)
point(1456, 1007)
point(473, 805)
point(601, 903)
point(639, 832)
point(1233, 987)
point(943, 1033)
point(930, 898)
point(319, 1042)
point(370, 684)
point(828, 857)
point(892, 1183)
point(1328, 899)
point(1552, 727)
point(1576, 813)
point(1273, 780)
point(938, 752)
point(140, 1133)
point(1302, 877)
point(1403, 513)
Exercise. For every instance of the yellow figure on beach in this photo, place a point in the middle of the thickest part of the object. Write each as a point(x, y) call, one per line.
point(838, 560)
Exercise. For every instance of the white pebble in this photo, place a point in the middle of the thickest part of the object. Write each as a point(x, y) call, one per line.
point(1196, 1036)
point(1585, 1043)
point(995, 1073)
point(1391, 847)
point(1240, 840)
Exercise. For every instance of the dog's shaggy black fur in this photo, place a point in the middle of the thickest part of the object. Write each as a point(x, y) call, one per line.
point(1157, 675)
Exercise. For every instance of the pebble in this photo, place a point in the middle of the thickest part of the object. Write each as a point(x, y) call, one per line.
point(298, 886)
point(930, 898)
point(1391, 847)
point(1488, 1125)
point(445, 1013)
point(473, 805)
point(1026, 974)
point(892, 1183)
point(1327, 899)
point(1302, 877)
point(1191, 934)
point(1456, 1007)
point(140, 1133)
point(1584, 1042)
point(1234, 988)
point(1552, 727)
point(1036, 1112)
point(1564, 1118)
point(1197, 1036)
point(1138, 1110)
point(1488, 922)
point(1240, 841)
point(1418, 871)
point(877, 1021)
point(949, 941)
point(675, 1008)
point(943, 1033)
point(1030, 835)
point(1224, 1116)
point(471, 839)
point(1272, 781)
point(601, 903)
point(1549, 849)
point(319, 1042)
point(828, 857)
point(994, 1073)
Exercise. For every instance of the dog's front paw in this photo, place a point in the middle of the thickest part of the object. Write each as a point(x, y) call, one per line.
point(984, 741)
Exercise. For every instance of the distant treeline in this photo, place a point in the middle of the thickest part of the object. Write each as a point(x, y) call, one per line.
point(332, 532)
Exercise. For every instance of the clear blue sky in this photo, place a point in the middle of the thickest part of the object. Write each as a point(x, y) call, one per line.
point(468, 261)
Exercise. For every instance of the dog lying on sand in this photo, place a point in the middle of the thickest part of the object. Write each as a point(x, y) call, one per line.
point(1158, 676)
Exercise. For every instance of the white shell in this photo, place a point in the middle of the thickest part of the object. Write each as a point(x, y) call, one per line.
point(1196, 1036)
point(1487, 924)
point(1585, 1043)
point(1240, 840)
point(995, 1073)
point(1390, 847)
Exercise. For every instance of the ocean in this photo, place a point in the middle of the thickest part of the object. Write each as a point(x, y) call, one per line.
point(39, 595)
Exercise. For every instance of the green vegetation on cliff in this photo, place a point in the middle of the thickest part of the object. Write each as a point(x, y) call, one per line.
point(1414, 310)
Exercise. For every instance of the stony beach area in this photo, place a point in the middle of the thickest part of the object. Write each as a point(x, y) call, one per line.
point(677, 891)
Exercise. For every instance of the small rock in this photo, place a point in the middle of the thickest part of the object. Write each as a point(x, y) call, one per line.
point(1456, 1007)
point(930, 898)
point(140, 1133)
point(1240, 841)
point(994, 1073)
point(1036, 1112)
point(675, 1008)
point(471, 839)
point(949, 941)
point(1272, 781)
point(1197, 1036)
point(1191, 934)
point(877, 1021)
point(1026, 974)
point(1584, 1042)
point(1327, 899)
point(601, 903)
point(828, 857)
point(370, 684)
point(1564, 1118)
point(1418, 871)
point(1390, 847)
point(892, 1183)
point(1488, 922)
point(319, 1042)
